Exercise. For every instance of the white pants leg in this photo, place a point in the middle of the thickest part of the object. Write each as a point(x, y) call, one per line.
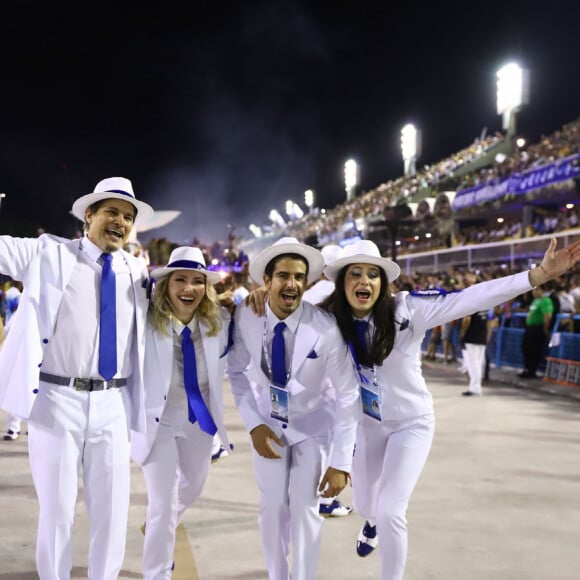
point(107, 482)
point(289, 508)
point(175, 473)
point(388, 461)
point(69, 430)
point(13, 424)
point(474, 362)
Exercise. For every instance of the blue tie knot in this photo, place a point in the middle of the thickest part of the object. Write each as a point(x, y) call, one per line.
point(279, 328)
point(186, 333)
point(107, 258)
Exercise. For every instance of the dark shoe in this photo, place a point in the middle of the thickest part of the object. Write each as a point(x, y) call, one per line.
point(334, 510)
point(11, 435)
point(367, 540)
point(470, 394)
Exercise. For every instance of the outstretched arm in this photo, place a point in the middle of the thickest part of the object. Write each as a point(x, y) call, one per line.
point(554, 263)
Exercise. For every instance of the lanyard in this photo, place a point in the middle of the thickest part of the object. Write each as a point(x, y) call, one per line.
point(364, 380)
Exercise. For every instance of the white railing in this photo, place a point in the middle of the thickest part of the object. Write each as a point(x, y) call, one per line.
point(513, 253)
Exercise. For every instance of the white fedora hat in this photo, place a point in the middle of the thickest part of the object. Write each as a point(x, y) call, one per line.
point(331, 253)
point(363, 252)
point(113, 188)
point(187, 258)
point(287, 246)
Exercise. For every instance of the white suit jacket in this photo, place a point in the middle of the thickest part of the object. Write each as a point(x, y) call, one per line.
point(404, 391)
point(319, 353)
point(158, 369)
point(45, 266)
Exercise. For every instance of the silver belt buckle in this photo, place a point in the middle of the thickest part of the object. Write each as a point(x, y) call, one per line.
point(79, 384)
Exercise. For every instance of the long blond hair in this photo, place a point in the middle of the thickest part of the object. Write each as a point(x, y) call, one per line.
point(161, 312)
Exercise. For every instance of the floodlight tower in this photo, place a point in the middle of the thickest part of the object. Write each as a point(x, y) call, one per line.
point(512, 95)
point(410, 148)
point(350, 178)
point(309, 200)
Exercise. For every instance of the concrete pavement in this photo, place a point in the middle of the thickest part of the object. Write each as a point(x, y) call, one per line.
point(499, 498)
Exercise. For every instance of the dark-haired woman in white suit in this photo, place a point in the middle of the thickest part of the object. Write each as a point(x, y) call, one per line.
point(396, 431)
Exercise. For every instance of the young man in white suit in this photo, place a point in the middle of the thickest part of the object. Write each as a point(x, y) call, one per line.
point(77, 417)
point(302, 434)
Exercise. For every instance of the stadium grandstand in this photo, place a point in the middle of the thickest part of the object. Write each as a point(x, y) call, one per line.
point(488, 209)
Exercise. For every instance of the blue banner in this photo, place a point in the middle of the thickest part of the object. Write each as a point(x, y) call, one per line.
point(519, 183)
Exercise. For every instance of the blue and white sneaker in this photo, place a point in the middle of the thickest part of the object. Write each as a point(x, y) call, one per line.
point(221, 452)
point(367, 540)
point(334, 509)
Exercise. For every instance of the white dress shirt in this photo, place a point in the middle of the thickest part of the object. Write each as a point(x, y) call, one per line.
point(73, 350)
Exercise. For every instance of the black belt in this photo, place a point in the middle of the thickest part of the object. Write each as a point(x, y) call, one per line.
point(83, 384)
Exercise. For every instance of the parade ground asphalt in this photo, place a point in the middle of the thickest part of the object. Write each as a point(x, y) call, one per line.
point(499, 498)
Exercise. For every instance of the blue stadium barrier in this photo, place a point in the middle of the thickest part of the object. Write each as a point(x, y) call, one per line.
point(505, 345)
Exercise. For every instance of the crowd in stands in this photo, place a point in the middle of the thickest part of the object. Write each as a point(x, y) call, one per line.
point(348, 218)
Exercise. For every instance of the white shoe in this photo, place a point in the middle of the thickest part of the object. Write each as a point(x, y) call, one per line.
point(11, 435)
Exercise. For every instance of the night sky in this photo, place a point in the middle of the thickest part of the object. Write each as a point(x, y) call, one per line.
point(230, 111)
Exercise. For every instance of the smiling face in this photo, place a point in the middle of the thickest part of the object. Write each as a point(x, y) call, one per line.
point(286, 286)
point(109, 226)
point(362, 288)
point(185, 292)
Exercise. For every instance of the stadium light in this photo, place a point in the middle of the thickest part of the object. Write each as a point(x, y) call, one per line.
point(256, 230)
point(410, 147)
point(289, 206)
point(512, 94)
point(2, 196)
point(309, 199)
point(350, 178)
point(275, 217)
point(297, 212)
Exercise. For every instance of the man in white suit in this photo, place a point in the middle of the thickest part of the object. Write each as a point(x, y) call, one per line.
point(303, 439)
point(51, 375)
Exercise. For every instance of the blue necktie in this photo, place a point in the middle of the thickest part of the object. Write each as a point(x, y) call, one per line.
point(108, 321)
point(361, 335)
point(279, 356)
point(197, 410)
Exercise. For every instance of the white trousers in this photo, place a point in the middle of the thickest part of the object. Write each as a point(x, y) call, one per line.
point(175, 472)
point(474, 357)
point(388, 460)
point(71, 432)
point(13, 423)
point(289, 511)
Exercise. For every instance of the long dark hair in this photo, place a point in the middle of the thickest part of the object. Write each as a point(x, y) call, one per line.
point(383, 315)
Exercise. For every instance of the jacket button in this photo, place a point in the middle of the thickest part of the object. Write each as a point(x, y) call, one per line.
point(284, 426)
point(39, 365)
point(35, 391)
point(157, 419)
point(45, 340)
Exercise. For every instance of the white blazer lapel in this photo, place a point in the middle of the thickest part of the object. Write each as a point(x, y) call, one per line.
point(306, 339)
point(211, 345)
point(163, 362)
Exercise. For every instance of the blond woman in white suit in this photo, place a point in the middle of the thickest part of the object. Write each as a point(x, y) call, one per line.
point(175, 451)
